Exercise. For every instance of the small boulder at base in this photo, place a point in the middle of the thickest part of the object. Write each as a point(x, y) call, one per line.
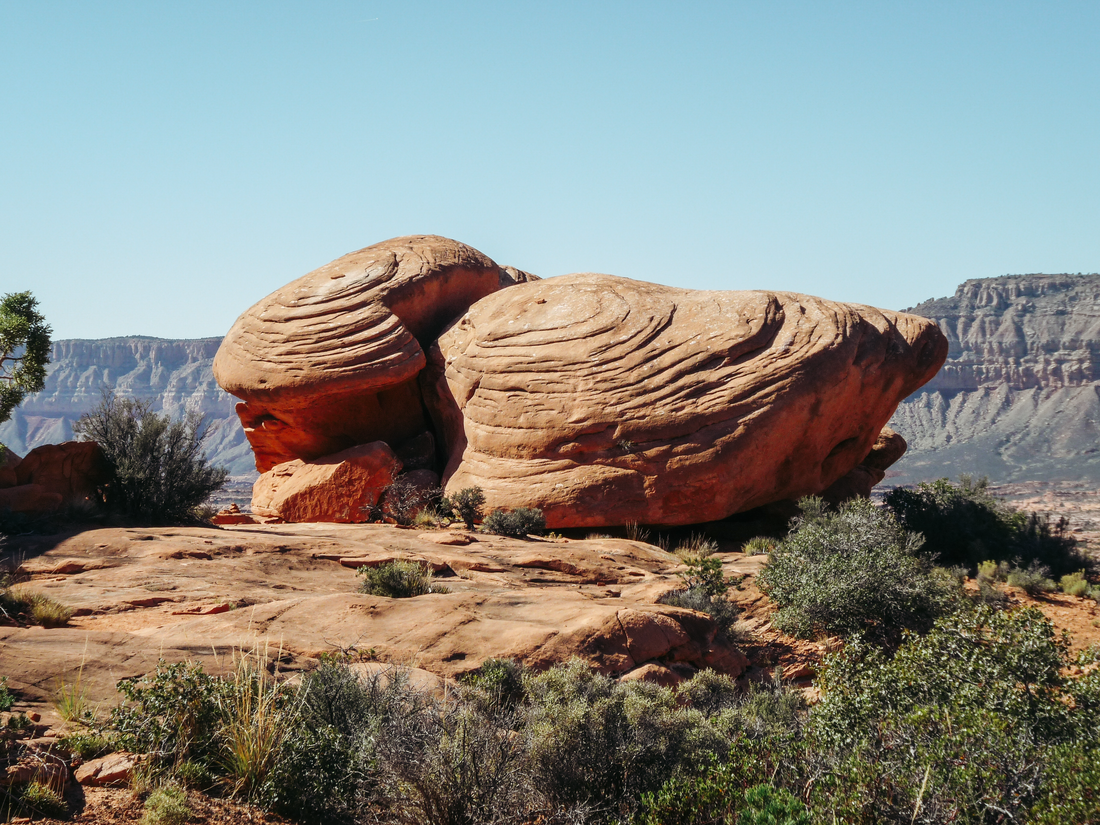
point(51, 477)
point(340, 487)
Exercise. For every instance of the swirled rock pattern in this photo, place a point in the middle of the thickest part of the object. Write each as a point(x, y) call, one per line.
point(603, 400)
point(598, 399)
point(330, 360)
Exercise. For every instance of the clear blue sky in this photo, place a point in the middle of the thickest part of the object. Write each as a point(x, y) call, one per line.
point(165, 165)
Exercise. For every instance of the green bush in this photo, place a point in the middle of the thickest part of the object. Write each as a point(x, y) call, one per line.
point(34, 608)
point(467, 503)
point(1034, 580)
point(965, 524)
point(1071, 787)
point(955, 727)
point(853, 570)
point(765, 805)
point(24, 350)
point(167, 805)
point(1074, 584)
point(398, 580)
point(518, 523)
point(705, 589)
point(175, 712)
point(41, 800)
point(759, 545)
point(598, 744)
point(159, 473)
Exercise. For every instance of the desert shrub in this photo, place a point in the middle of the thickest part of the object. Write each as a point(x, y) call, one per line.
point(955, 726)
point(398, 580)
point(466, 503)
point(711, 798)
point(1071, 787)
point(523, 521)
point(86, 744)
point(496, 686)
point(766, 805)
point(759, 545)
point(705, 586)
point(1074, 584)
point(34, 608)
point(853, 570)
point(6, 697)
point(446, 764)
point(40, 800)
point(599, 744)
point(174, 712)
point(167, 805)
point(966, 524)
point(1033, 580)
point(696, 544)
point(159, 473)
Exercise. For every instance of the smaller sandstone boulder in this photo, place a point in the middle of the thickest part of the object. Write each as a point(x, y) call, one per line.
point(654, 674)
point(30, 499)
point(112, 770)
point(858, 482)
point(340, 487)
point(74, 469)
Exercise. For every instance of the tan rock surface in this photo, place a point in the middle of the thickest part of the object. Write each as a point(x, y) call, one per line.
point(201, 593)
point(330, 360)
point(603, 400)
point(334, 488)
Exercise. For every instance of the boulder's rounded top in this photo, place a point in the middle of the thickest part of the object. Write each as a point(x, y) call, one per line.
point(355, 324)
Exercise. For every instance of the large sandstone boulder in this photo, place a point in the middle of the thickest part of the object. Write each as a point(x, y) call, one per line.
point(330, 360)
point(603, 400)
point(599, 399)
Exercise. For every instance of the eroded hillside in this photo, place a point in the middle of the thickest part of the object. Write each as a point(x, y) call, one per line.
point(1019, 396)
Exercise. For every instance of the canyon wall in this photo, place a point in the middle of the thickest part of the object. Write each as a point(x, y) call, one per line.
point(176, 376)
point(1019, 396)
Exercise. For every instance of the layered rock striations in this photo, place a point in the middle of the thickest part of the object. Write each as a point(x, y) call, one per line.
point(604, 400)
point(1019, 395)
point(175, 376)
point(598, 399)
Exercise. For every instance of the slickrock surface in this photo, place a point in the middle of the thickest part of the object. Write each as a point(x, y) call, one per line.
point(201, 593)
point(603, 400)
point(1019, 396)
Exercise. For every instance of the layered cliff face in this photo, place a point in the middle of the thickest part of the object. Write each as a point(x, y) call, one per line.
point(1019, 396)
point(176, 376)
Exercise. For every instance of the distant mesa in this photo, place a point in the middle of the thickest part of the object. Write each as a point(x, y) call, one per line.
point(599, 399)
point(1019, 396)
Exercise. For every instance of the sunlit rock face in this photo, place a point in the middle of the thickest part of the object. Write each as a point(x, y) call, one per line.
point(603, 400)
point(598, 399)
point(330, 360)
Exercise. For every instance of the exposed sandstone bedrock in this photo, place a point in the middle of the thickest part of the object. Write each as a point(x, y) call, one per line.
point(598, 399)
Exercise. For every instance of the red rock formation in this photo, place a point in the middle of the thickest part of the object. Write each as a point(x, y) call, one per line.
point(598, 399)
point(334, 488)
point(331, 359)
point(603, 400)
point(53, 476)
